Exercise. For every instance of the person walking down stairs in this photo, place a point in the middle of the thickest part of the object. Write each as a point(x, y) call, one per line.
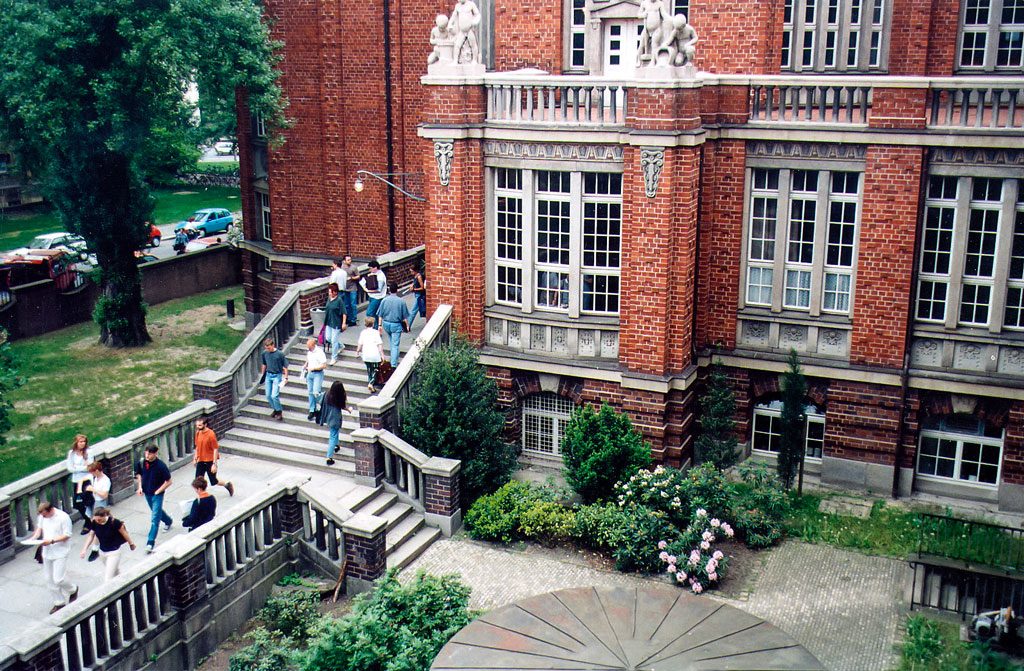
point(330, 416)
point(371, 349)
point(275, 372)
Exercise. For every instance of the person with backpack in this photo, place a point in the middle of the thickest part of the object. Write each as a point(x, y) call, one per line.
point(375, 284)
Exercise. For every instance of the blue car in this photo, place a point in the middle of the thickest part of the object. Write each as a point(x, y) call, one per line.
point(207, 221)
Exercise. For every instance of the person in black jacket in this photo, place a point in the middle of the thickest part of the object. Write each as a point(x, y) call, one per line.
point(203, 508)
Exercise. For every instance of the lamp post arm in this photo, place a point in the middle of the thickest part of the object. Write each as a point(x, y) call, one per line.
point(391, 184)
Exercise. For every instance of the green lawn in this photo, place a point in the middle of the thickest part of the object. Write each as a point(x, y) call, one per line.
point(73, 385)
point(17, 229)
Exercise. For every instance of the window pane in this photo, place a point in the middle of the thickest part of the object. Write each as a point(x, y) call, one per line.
point(797, 292)
point(937, 245)
point(509, 228)
point(553, 289)
point(553, 232)
point(759, 286)
point(981, 243)
point(931, 301)
point(602, 235)
point(764, 216)
point(766, 434)
point(601, 293)
point(509, 284)
point(801, 231)
point(837, 293)
point(1014, 316)
point(974, 302)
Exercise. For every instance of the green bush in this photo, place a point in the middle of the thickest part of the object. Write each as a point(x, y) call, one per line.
point(225, 168)
point(644, 529)
point(292, 614)
point(760, 507)
point(393, 628)
point(600, 449)
point(452, 413)
point(547, 522)
point(267, 653)
point(709, 489)
point(716, 443)
point(664, 489)
point(601, 526)
point(498, 516)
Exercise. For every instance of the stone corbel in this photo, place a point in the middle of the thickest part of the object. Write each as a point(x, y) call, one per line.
point(651, 161)
point(443, 152)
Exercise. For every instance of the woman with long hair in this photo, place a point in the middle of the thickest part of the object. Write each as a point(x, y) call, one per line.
point(330, 416)
point(79, 458)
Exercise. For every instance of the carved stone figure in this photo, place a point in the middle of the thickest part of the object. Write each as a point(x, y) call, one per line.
point(655, 17)
point(680, 40)
point(442, 40)
point(466, 20)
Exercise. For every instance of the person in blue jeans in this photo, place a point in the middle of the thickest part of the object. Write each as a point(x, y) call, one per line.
point(375, 284)
point(419, 289)
point(275, 367)
point(153, 478)
point(334, 403)
point(394, 320)
point(316, 364)
point(350, 292)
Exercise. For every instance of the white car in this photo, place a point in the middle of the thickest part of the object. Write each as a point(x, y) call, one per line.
point(224, 147)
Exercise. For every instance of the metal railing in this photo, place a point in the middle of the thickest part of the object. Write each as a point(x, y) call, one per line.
point(579, 101)
point(974, 543)
point(174, 434)
point(964, 593)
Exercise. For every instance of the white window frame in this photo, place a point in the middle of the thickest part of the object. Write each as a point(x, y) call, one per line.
point(569, 294)
point(959, 282)
point(772, 413)
point(268, 265)
point(958, 462)
point(263, 210)
point(990, 29)
point(259, 125)
point(800, 282)
point(835, 35)
point(576, 17)
point(546, 406)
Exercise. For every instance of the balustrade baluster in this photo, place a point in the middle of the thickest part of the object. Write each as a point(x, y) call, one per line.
point(222, 566)
point(251, 537)
point(388, 468)
point(1011, 117)
point(73, 650)
point(411, 481)
point(865, 93)
point(321, 539)
point(139, 602)
point(152, 601)
point(230, 563)
point(332, 541)
point(99, 620)
point(114, 623)
point(997, 106)
point(238, 536)
point(127, 617)
point(963, 98)
point(517, 103)
point(979, 111)
point(88, 650)
point(211, 563)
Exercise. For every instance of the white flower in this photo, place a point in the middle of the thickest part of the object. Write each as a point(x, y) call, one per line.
point(701, 512)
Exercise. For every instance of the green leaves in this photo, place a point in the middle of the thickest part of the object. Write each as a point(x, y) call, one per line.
point(600, 449)
point(792, 422)
point(717, 440)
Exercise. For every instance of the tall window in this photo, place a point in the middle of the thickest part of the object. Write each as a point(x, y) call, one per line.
point(557, 239)
point(992, 35)
point(972, 253)
point(767, 432)
point(577, 35)
point(834, 35)
point(259, 125)
point(263, 210)
point(544, 419)
point(961, 448)
point(802, 232)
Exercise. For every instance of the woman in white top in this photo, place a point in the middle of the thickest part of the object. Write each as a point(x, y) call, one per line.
point(79, 458)
point(371, 349)
point(98, 485)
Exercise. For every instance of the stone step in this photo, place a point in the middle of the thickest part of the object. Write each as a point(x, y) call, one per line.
point(302, 446)
point(413, 547)
point(288, 458)
point(353, 386)
point(403, 530)
point(351, 501)
point(261, 422)
point(378, 504)
point(296, 408)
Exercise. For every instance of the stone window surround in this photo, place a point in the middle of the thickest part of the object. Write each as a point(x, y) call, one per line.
point(528, 267)
point(762, 410)
point(546, 405)
point(992, 33)
point(821, 229)
point(1011, 203)
point(842, 29)
point(960, 438)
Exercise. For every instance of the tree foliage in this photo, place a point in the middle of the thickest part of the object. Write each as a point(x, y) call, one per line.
point(716, 443)
point(393, 628)
point(600, 449)
point(9, 381)
point(91, 96)
point(452, 413)
point(792, 423)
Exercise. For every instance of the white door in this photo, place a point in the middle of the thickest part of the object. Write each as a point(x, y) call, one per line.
point(621, 42)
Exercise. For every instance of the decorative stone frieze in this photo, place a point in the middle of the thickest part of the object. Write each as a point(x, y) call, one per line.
point(652, 159)
point(561, 152)
point(444, 150)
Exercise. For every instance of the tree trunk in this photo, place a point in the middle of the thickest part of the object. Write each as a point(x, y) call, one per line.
point(123, 321)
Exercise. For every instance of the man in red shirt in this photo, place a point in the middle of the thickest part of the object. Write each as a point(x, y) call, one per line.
point(207, 454)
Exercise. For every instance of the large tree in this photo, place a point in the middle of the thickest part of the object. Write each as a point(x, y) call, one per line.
point(92, 90)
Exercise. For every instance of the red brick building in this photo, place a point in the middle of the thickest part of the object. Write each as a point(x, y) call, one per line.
point(844, 178)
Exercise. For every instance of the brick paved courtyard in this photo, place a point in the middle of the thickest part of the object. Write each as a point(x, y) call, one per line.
point(842, 606)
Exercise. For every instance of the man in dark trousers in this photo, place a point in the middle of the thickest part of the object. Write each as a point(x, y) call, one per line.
point(207, 455)
point(204, 507)
point(153, 478)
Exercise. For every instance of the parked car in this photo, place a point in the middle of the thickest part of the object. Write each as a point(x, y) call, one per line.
point(154, 236)
point(32, 265)
point(70, 241)
point(207, 221)
point(224, 147)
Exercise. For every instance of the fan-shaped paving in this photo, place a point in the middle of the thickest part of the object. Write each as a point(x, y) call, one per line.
point(610, 629)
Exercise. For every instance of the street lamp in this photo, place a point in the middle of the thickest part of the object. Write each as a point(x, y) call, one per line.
point(382, 176)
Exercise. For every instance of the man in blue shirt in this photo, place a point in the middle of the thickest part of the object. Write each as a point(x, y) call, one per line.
point(153, 478)
point(394, 320)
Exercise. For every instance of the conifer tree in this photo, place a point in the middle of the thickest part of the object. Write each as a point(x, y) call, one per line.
point(716, 443)
point(792, 422)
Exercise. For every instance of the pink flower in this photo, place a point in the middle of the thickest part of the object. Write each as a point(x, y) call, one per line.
point(680, 577)
point(708, 536)
point(701, 512)
point(711, 566)
point(662, 545)
point(715, 522)
point(663, 556)
point(671, 559)
point(712, 576)
point(697, 589)
point(671, 568)
point(704, 545)
point(718, 555)
point(727, 529)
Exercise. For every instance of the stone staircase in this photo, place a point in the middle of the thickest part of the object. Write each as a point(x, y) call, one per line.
point(300, 443)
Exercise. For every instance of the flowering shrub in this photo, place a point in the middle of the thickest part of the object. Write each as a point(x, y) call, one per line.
point(498, 516)
point(644, 528)
point(694, 560)
point(663, 489)
point(601, 526)
point(709, 489)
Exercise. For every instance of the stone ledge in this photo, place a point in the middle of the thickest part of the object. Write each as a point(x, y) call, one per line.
point(209, 378)
point(442, 467)
point(364, 525)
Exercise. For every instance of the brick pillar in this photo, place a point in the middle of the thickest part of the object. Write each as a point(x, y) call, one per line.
point(186, 582)
point(369, 456)
point(118, 465)
point(38, 649)
point(365, 552)
point(291, 514)
point(218, 387)
point(898, 108)
point(6, 530)
point(187, 594)
point(442, 494)
point(378, 412)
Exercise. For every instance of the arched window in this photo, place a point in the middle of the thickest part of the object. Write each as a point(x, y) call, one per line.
point(544, 419)
point(961, 448)
point(767, 429)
